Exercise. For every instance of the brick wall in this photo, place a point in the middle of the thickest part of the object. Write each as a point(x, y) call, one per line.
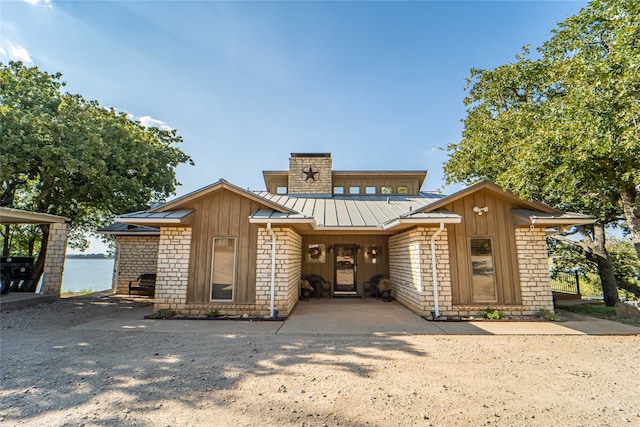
point(533, 266)
point(173, 268)
point(135, 255)
point(410, 269)
point(288, 270)
point(54, 259)
point(323, 180)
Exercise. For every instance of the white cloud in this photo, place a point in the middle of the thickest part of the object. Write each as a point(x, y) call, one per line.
point(15, 52)
point(38, 2)
point(149, 122)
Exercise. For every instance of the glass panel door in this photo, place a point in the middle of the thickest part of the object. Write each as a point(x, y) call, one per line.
point(483, 276)
point(223, 268)
point(345, 269)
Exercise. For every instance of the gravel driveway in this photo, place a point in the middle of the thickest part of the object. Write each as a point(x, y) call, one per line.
point(55, 373)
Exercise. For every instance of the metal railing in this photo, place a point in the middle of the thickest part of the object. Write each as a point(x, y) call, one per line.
point(565, 282)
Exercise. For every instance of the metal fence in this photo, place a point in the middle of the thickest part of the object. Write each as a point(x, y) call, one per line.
point(565, 282)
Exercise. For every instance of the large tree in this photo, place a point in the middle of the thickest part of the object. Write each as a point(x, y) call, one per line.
point(64, 155)
point(562, 128)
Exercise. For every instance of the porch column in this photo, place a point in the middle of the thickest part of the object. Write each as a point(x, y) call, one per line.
point(288, 270)
point(533, 268)
point(54, 259)
point(173, 268)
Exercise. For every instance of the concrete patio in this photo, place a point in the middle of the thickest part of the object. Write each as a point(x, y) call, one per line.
point(362, 317)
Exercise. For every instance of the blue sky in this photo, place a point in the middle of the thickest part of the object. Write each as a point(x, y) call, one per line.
point(380, 85)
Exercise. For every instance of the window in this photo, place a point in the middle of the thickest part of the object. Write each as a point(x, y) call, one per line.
point(385, 190)
point(370, 190)
point(354, 190)
point(338, 190)
point(281, 190)
point(403, 189)
point(483, 276)
point(223, 268)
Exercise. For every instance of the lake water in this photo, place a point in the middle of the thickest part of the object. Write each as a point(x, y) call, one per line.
point(82, 274)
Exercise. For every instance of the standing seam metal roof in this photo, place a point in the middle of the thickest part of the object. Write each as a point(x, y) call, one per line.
point(347, 210)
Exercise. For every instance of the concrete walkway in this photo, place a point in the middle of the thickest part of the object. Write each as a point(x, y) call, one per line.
point(364, 316)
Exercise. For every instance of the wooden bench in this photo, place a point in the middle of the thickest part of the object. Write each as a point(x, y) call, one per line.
point(145, 283)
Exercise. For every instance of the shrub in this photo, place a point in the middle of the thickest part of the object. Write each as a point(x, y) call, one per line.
point(549, 315)
point(491, 313)
point(213, 313)
point(164, 313)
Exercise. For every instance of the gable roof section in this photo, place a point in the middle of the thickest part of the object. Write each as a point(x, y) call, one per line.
point(217, 186)
point(534, 206)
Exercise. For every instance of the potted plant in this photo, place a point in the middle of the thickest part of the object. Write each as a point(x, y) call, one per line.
point(384, 289)
point(305, 290)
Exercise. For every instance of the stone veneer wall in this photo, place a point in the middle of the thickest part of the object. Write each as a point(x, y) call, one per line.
point(410, 270)
point(288, 270)
point(54, 259)
point(135, 255)
point(322, 184)
point(173, 268)
point(533, 267)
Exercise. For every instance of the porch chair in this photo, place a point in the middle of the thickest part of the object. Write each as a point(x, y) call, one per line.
point(371, 286)
point(144, 283)
point(319, 285)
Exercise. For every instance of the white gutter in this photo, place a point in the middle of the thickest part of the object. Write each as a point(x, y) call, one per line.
point(434, 270)
point(272, 307)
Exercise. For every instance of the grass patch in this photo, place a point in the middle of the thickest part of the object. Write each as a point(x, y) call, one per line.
point(600, 311)
point(164, 313)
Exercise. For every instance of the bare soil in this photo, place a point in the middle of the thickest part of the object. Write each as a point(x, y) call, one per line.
point(55, 376)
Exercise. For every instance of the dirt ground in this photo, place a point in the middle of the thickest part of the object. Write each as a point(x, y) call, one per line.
point(55, 376)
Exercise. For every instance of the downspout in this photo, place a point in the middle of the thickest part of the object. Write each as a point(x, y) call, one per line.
point(272, 307)
point(434, 270)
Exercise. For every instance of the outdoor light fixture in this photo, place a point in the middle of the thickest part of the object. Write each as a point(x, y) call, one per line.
point(331, 249)
point(480, 211)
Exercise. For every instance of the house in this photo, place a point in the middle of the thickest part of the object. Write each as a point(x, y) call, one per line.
point(223, 247)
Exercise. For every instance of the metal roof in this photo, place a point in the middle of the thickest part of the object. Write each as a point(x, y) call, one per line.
point(541, 218)
point(121, 229)
point(369, 211)
point(147, 217)
point(18, 216)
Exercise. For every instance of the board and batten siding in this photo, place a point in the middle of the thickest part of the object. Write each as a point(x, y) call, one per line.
point(497, 224)
point(223, 214)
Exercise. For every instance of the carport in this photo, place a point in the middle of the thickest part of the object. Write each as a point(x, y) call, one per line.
point(51, 282)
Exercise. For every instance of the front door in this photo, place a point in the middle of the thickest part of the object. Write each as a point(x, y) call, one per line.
point(345, 270)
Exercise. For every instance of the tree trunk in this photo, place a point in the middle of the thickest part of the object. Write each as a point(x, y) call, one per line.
point(38, 266)
point(598, 254)
point(6, 242)
point(631, 208)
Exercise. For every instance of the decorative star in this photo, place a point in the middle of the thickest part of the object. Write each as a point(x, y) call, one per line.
point(310, 173)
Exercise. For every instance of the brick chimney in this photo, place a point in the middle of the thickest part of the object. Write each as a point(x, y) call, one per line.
point(310, 173)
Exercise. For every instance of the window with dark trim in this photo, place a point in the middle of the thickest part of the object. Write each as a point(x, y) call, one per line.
point(223, 269)
point(483, 275)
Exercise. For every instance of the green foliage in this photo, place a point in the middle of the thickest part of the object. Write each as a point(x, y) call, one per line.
point(213, 313)
point(164, 313)
point(563, 129)
point(21, 239)
point(491, 313)
point(549, 315)
point(64, 155)
point(621, 253)
point(600, 311)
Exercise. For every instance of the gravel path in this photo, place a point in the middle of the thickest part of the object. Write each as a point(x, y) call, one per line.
point(54, 376)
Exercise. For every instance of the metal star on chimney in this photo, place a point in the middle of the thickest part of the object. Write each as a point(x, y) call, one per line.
point(310, 173)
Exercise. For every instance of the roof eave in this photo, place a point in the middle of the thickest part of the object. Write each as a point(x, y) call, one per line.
point(417, 221)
